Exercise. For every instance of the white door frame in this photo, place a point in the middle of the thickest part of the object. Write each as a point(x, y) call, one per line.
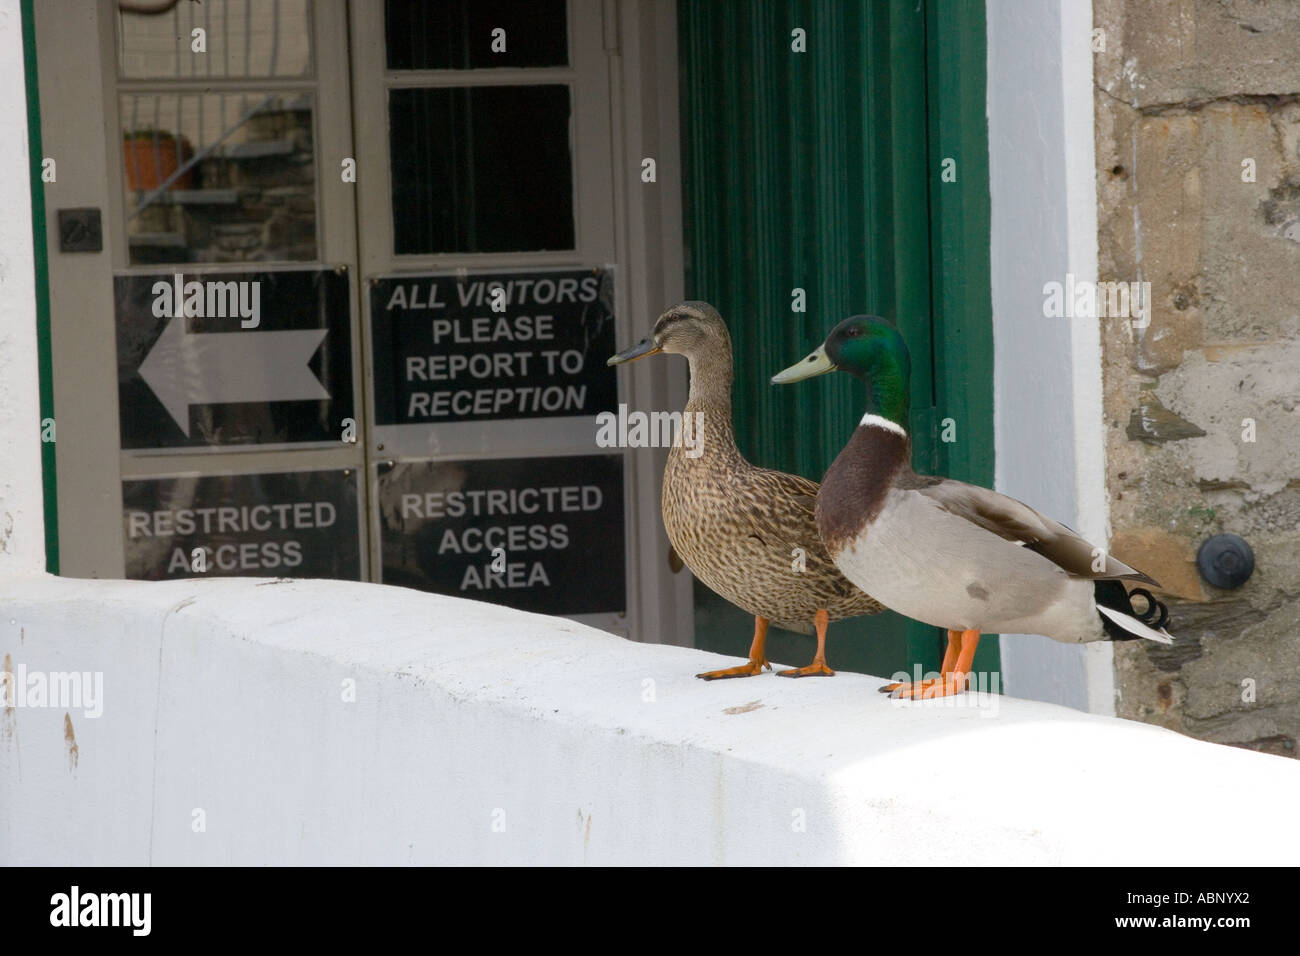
point(1048, 419)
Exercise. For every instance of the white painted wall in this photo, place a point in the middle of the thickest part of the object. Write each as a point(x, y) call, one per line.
point(1048, 425)
point(225, 696)
point(22, 523)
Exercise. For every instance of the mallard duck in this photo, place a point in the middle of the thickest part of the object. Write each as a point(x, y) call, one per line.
point(946, 553)
point(736, 526)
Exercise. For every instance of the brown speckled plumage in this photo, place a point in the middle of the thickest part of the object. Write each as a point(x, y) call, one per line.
point(734, 525)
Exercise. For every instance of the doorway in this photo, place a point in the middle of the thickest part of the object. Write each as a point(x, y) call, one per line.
point(837, 163)
point(332, 287)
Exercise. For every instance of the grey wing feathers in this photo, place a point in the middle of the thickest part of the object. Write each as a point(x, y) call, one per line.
point(1014, 521)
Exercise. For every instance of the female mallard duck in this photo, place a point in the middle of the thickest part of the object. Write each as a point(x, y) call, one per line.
point(734, 525)
point(947, 553)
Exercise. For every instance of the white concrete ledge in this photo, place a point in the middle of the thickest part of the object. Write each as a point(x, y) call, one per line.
point(225, 696)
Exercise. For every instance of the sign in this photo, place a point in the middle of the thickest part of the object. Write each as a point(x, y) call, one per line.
point(233, 358)
point(492, 346)
point(536, 534)
point(299, 524)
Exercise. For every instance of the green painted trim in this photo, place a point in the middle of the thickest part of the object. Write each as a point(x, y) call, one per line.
point(805, 170)
point(909, 56)
point(960, 222)
point(40, 249)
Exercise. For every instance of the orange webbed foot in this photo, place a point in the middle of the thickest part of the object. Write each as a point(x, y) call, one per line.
point(954, 671)
point(929, 689)
point(757, 657)
point(750, 669)
point(817, 668)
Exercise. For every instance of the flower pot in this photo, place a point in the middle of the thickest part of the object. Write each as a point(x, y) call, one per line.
point(151, 158)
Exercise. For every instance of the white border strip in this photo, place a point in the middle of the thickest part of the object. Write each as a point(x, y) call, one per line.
point(1050, 443)
point(22, 512)
point(1085, 340)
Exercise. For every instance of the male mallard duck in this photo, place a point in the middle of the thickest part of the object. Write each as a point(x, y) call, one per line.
point(947, 553)
point(734, 525)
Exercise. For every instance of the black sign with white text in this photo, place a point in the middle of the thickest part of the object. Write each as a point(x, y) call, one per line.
point(492, 346)
point(535, 534)
point(299, 524)
point(233, 358)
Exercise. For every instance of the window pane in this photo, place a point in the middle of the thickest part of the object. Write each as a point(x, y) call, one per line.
point(242, 39)
point(481, 169)
point(458, 34)
point(219, 177)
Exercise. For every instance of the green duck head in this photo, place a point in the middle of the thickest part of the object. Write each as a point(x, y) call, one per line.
point(692, 329)
point(871, 350)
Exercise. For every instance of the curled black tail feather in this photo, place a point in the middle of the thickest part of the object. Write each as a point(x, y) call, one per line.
point(1112, 594)
point(1153, 607)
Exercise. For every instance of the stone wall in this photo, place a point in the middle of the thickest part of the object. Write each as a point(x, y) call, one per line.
point(1192, 98)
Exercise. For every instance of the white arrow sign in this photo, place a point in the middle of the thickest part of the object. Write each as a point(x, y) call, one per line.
point(211, 368)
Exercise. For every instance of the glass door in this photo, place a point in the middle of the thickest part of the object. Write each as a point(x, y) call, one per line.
point(487, 249)
point(204, 318)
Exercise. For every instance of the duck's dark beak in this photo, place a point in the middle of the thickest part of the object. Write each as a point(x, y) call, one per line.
point(640, 350)
point(818, 363)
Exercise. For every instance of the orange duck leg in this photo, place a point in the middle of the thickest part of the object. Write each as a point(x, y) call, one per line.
point(953, 673)
point(818, 666)
point(757, 657)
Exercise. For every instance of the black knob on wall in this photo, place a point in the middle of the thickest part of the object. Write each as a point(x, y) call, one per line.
point(1226, 561)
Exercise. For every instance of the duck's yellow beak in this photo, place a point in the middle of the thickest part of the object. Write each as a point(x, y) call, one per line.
point(640, 350)
point(818, 363)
